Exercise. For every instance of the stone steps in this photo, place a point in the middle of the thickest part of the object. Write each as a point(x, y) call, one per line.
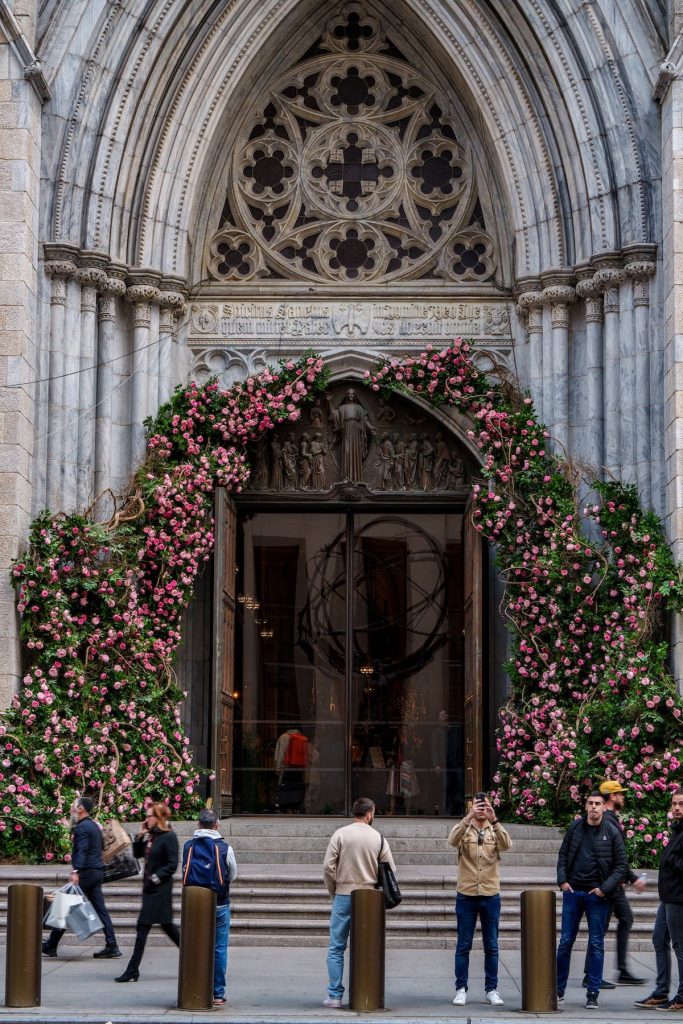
point(279, 896)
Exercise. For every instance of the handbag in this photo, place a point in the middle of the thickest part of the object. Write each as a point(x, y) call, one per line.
point(83, 920)
point(62, 902)
point(115, 840)
point(123, 865)
point(386, 881)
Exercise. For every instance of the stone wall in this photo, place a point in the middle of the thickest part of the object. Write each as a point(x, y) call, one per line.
point(20, 135)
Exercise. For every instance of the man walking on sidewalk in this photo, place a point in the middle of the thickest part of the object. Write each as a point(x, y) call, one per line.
point(590, 866)
point(88, 868)
point(613, 795)
point(351, 862)
point(479, 839)
point(668, 930)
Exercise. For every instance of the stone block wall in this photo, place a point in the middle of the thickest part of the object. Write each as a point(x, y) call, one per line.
point(20, 126)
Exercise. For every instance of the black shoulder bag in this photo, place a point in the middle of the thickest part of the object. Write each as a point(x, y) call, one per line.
point(386, 881)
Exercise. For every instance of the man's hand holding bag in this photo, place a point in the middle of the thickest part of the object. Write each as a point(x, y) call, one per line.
point(386, 881)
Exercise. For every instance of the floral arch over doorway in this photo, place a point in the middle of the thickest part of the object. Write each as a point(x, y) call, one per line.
point(101, 604)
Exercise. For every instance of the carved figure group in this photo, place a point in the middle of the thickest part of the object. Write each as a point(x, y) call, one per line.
point(417, 464)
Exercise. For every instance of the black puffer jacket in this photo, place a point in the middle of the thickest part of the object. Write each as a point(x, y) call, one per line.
point(611, 853)
point(670, 882)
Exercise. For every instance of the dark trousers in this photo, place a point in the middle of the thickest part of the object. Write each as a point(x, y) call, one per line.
point(668, 932)
point(91, 884)
point(141, 934)
point(621, 908)
point(574, 906)
point(467, 909)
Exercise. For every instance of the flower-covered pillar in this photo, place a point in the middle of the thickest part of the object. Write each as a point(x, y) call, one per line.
point(142, 291)
point(113, 290)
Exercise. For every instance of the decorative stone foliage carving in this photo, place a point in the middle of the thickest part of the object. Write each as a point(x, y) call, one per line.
point(349, 169)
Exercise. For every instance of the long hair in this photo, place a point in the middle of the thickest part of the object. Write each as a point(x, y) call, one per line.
point(163, 816)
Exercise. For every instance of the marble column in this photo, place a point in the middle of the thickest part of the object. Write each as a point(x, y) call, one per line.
point(531, 308)
point(113, 289)
point(640, 268)
point(141, 293)
point(608, 277)
point(60, 270)
point(592, 421)
point(171, 306)
point(559, 294)
point(91, 277)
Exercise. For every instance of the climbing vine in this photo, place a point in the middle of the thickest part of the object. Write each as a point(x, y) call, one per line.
point(586, 591)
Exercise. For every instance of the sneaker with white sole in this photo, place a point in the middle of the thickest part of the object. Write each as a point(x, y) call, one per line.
point(460, 997)
point(332, 1003)
point(493, 998)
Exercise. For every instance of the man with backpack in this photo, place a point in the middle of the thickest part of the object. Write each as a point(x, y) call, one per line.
point(209, 862)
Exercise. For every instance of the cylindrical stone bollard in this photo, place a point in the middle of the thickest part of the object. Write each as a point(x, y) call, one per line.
point(197, 943)
point(366, 972)
point(24, 937)
point(539, 963)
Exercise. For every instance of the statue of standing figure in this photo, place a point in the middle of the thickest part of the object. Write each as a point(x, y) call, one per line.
point(350, 420)
point(317, 452)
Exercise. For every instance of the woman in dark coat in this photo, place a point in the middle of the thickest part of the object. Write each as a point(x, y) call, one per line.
point(158, 844)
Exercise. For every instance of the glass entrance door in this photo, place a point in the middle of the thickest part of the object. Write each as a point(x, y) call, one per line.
point(349, 668)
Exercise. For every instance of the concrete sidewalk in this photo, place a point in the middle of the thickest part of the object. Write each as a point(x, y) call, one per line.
point(288, 984)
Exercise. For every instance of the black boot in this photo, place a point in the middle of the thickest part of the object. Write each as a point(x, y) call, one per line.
point(130, 974)
point(49, 950)
point(108, 953)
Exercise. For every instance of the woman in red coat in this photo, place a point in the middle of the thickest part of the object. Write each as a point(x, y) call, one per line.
point(158, 844)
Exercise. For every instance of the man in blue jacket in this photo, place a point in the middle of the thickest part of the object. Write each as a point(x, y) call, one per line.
point(668, 930)
point(209, 862)
point(590, 866)
point(88, 867)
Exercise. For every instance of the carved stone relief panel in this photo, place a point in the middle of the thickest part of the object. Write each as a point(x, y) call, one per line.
point(349, 168)
point(352, 441)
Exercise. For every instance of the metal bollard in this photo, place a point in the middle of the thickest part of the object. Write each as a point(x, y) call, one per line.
point(366, 971)
point(24, 937)
point(197, 944)
point(539, 963)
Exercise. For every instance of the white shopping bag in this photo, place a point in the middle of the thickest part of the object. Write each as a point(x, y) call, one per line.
point(62, 901)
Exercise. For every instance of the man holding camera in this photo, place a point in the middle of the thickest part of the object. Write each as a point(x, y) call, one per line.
point(479, 839)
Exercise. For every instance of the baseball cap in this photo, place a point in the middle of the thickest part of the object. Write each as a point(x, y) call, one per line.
point(611, 786)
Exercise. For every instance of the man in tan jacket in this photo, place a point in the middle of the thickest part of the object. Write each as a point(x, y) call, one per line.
point(479, 839)
point(350, 863)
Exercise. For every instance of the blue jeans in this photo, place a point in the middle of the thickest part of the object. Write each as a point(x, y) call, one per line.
point(466, 910)
point(340, 925)
point(596, 909)
point(220, 958)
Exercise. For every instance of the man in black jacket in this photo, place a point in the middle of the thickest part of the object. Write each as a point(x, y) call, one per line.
point(613, 794)
point(590, 865)
point(668, 930)
point(88, 866)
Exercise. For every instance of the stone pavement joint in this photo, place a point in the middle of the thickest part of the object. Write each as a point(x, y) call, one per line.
point(286, 985)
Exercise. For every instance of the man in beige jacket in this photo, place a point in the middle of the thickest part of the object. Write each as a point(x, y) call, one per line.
point(479, 839)
point(350, 863)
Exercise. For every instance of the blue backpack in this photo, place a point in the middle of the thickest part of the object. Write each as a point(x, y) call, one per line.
point(205, 863)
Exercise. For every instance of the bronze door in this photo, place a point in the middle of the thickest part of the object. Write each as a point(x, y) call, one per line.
point(223, 662)
point(473, 657)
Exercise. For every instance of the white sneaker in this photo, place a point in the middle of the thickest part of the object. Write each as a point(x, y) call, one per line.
point(493, 998)
point(332, 1003)
point(460, 997)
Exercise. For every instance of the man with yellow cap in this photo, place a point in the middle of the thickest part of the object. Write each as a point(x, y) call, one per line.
point(612, 793)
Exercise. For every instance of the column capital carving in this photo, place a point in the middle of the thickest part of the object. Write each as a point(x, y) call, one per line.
point(171, 300)
point(59, 270)
point(559, 294)
point(143, 288)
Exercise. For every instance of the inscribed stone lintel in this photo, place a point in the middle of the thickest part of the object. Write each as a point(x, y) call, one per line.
point(381, 322)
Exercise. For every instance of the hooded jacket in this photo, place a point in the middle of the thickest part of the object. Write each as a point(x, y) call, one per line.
point(226, 855)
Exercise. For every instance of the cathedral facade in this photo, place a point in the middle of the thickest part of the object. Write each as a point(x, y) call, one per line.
point(198, 188)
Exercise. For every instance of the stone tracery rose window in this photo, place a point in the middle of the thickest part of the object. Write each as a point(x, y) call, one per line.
point(350, 170)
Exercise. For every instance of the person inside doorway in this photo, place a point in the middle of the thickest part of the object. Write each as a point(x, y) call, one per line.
point(291, 762)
